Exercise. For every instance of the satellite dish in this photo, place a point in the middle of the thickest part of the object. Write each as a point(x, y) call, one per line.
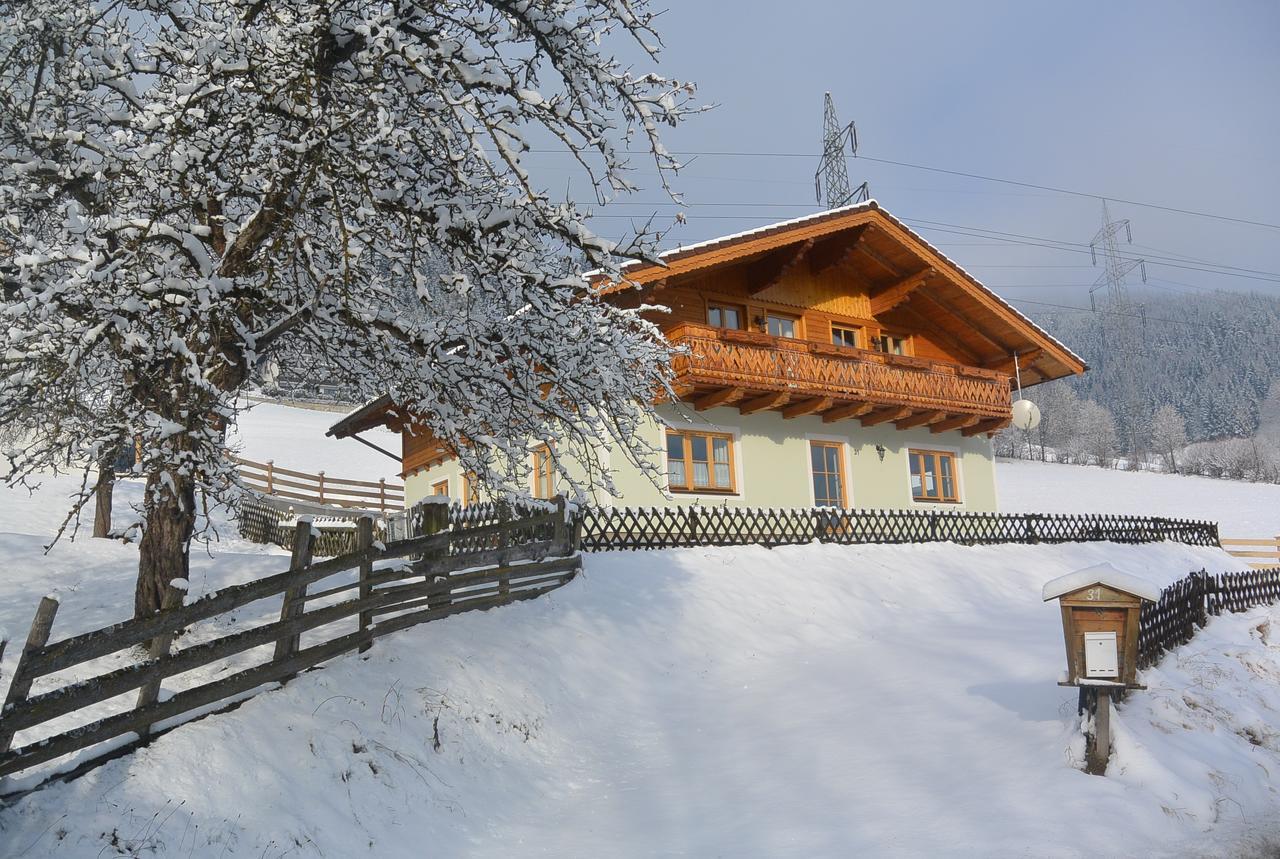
point(1026, 415)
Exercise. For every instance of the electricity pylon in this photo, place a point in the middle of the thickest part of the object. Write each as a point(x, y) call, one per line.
point(832, 170)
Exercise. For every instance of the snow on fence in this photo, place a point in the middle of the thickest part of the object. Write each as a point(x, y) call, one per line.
point(453, 570)
point(605, 528)
point(320, 488)
point(1186, 606)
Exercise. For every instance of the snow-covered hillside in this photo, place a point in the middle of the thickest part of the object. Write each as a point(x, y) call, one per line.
point(803, 701)
point(1241, 509)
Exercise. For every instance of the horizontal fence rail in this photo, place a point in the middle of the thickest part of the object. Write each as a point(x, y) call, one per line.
point(1261, 553)
point(320, 488)
point(452, 567)
point(605, 528)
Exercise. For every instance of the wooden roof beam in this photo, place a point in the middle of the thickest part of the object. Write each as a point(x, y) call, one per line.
point(870, 252)
point(954, 423)
point(807, 407)
point(759, 404)
point(921, 419)
point(834, 251)
point(1025, 360)
point(722, 397)
point(848, 410)
point(893, 413)
point(948, 310)
point(989, 425)
point(891, 296)
point(773, 268)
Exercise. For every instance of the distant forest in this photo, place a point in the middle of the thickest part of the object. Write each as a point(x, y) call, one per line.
point(1211, 356)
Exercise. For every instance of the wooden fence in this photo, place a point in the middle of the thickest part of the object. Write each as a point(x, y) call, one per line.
point(1186, 606)
point(320, 488)
point(605, 528)
point(454, 570)
point(1263, 554)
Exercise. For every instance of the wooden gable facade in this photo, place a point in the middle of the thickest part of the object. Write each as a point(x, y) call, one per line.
point(847, 314)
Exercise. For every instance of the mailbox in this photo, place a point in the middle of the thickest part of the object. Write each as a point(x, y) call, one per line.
point(1100, 609)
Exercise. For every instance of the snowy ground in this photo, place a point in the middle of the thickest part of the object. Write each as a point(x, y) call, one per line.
point(802, 701)
point(295, 439)
point(1241, 509)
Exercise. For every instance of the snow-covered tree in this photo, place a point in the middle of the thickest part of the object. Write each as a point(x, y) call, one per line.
point(186, 185)
point(1096, 435)
point(1168, 435)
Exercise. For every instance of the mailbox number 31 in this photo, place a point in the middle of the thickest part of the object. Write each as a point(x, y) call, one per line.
point(1093, 594)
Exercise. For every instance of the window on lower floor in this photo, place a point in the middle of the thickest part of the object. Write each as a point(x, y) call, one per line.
point(441, 488)
point(699, 462)
point(826, 459)
point(470, 490)
point(544, 484)
point(933, 476)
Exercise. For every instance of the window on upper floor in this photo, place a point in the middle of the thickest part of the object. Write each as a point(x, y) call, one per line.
point(845, 335)
point(933, 476)
point(781, 325)
point(441, 488)
point(726, 315)
point(891, 344)
point(699, 462)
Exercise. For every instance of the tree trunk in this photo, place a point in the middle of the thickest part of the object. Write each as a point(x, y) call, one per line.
point(103, 494)
point(163, 553)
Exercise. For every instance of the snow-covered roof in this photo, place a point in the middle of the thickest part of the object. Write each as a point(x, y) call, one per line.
point(1100, 574)
point(744, 236)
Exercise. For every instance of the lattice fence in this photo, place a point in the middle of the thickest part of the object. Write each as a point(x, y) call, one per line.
point(1186, 605)
point(605, 528)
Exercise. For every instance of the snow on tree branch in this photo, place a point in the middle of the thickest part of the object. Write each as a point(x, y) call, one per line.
point(188, 185)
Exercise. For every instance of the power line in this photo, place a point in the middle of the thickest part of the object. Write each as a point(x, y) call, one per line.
point(1194, 324)
point(967, 175)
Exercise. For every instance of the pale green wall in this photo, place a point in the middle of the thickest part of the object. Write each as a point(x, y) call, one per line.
point(772, 460)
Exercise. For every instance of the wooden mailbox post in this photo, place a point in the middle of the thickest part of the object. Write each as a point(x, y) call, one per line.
point(1100, 614)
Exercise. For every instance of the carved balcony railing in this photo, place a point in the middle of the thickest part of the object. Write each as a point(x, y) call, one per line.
point(715, 358)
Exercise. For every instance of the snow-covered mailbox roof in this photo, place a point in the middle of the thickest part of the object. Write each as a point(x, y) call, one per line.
point(1101, 611)
point(1100, 574)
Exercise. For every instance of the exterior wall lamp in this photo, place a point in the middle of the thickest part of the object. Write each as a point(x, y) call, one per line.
point(881, 451)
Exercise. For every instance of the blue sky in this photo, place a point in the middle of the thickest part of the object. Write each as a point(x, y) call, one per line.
point(1169, 103)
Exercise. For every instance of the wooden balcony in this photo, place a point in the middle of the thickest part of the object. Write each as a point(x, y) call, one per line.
point(757, 372)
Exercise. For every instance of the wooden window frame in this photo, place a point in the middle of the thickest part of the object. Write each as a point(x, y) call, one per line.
point(840, 472)
point(859, 334)
point(687, 446)
point(908, 349)
point(435, 488)
point(470, 490)
point(954, 498)
point(797, 320)
point(547, 471)
point(740, 309)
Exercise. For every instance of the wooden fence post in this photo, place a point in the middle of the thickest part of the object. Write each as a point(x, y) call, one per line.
point(320, 478)
point(382, 494)
point(364, 542)
point(271, 484)
point(560, 536)
point(287, 645)
point(159, 647)
point(38, 637)
point(435, 520)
